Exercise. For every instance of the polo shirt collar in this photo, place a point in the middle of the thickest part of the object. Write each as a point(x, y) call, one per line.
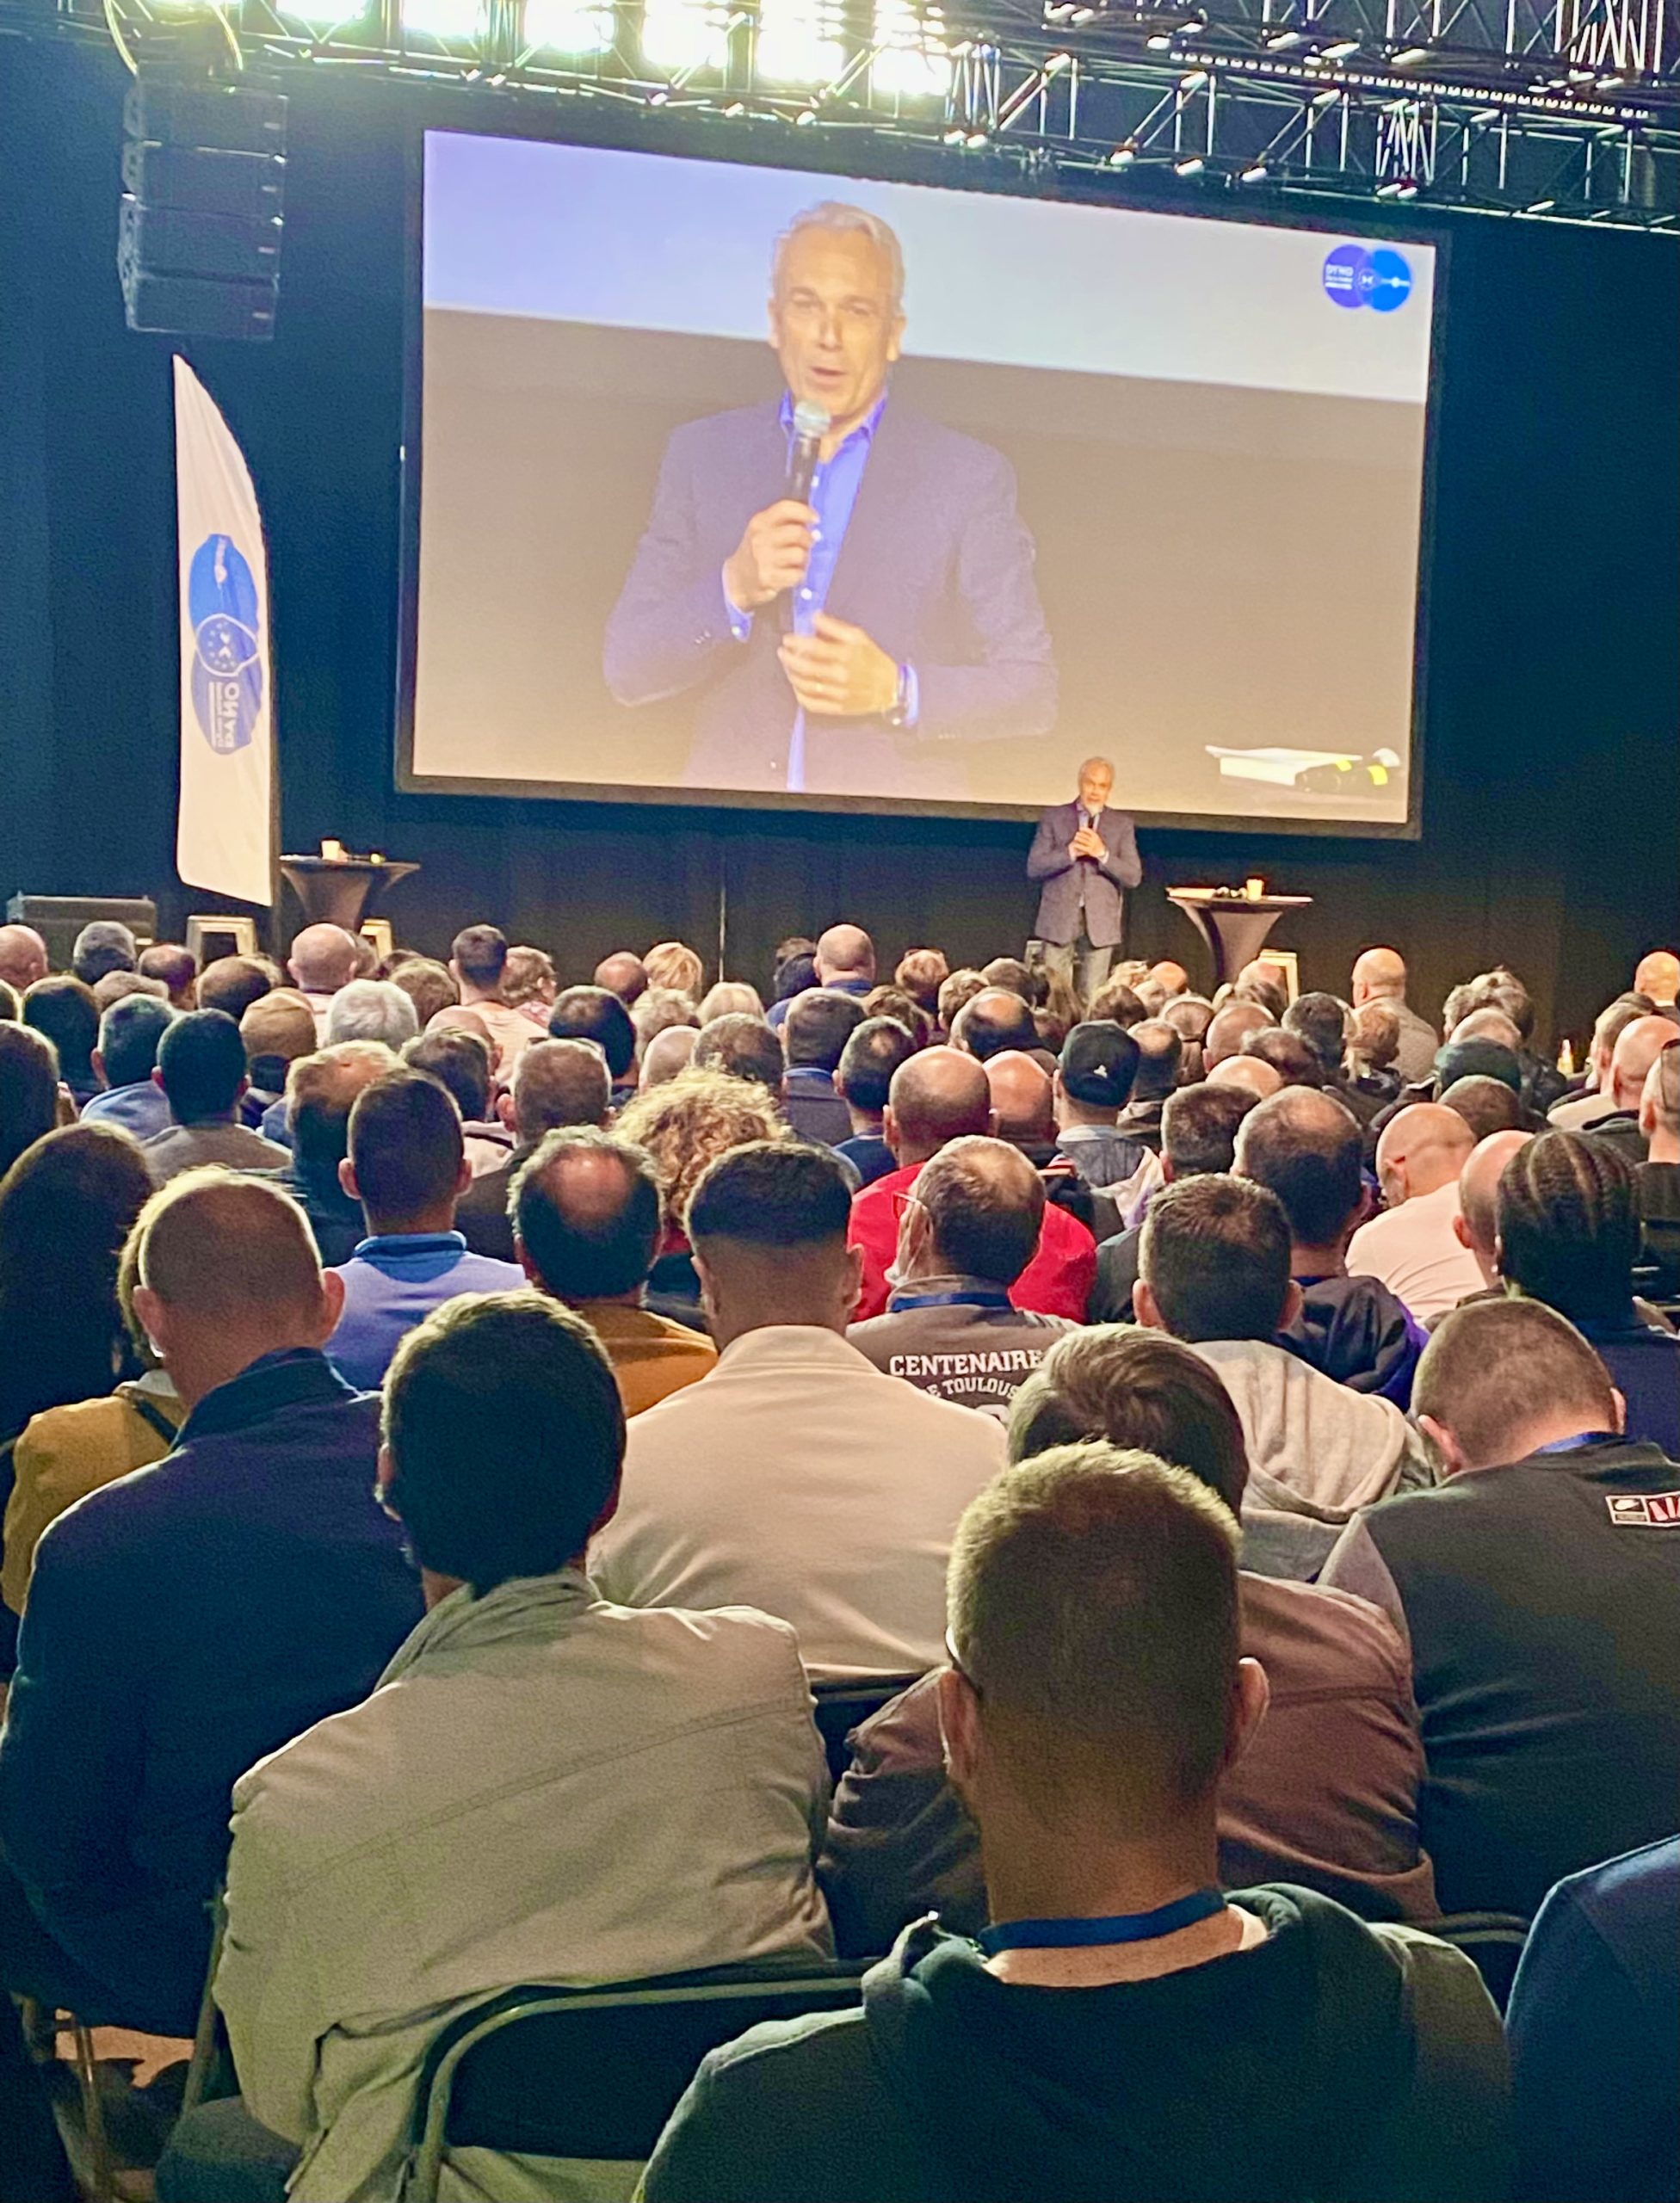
point(390, 1248)
point(951, 1290)
point(786, 1345)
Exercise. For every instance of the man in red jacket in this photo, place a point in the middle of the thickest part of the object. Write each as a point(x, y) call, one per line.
point(941, 1094)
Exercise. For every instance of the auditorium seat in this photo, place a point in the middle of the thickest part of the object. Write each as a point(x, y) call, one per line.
point(1492, 1941)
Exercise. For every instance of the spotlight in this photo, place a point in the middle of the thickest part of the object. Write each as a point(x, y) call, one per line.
point(1257, 174)
point(1542, 207)
point(1342, 49)
point(805, 117)
point(1410, 56)
point(1194, 82)
point(1191, 166)
point(1281, 42)
point(1122, 156)
point(1161, 43)
point(974, 140)
point(1057, 63)
point(1325, 98)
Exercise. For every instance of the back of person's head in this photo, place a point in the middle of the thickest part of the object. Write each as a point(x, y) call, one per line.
point(230, 1253)
point(844, 952)
point(1658, 977)
point(819, 1022)
point(658, 1010)
point(478, 955)
point(277, 1029)
point(1321, 1021)
point(1477, 1226)
point(9, 1004)
point(67, 1204)
point(64, 1011)
point(429, 985)
point(767, 1225)
point(730, 998)
point(1421, 1149)
point(893, 1002)
point(676, 967)
point(1376, 1035)
point(1295, 1060)
point(687, 1122)
point(992, 1021)
point(936, 1095)
point(404, 1147)
point(1567, 1211)
point(1488, 1023)
point(129, 1033)
point(1261, 986)
point(1660, 1103)
point(1638, 1046)
point(461, 1064)
point(1215, 1259)
point(529, 975)
point(795, 972)
point(323, 958)
point(1189, 1016)
point(558, 1083)
point(503, 1439)
point(201, 1065)
point(28, 1090)
point(873, 1053)
point(1199, 1128)
point(1476, 1058)
point(233, 984)
point(985, 1206)
point(1136, 1389)
point(23, 958)
point(1092, 1613)
point(1486, 1105)
point(320, 1092)
point(1013, 975)
point(623, 974)
point(1099, 1065)
point(1160, 1052)
point(1116, 1001)
point(744, 1047)
point(1307, 1147)
point(1023, 1099)
point(1500, 1377)
point(115, 986)
point(177, 966)
point(922, 972)
point(1501, 989)
point(102, 945)
point(956, 991)
point(372, 1010)
point(668, 1052)
point(585, 1210)
point(1229, 1029)
point(593, 1014)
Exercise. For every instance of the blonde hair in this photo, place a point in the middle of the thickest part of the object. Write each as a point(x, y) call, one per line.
point(687, 1122)
point(673, 964)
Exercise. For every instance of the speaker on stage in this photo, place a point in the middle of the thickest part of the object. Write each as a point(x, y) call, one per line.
point(204, 178)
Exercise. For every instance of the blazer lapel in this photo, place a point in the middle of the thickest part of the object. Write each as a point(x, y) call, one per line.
point(891, 499)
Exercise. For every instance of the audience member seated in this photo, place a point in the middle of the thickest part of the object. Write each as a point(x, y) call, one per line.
point(1373, 1043)
point(939, 1094)
point(967, 1232)
point(429, 985)
point(815, 1031)
point(320, 1092)
point(1487, 1105)
point(593, 1014)
point(1539, 1589)
point(1569, 1235)
point(1024, 1105)
point(1093, 1084)
point(1543, 1083)
point(585, 1216)
point(1120, 2030)
point(1294, 1060)
point(796, 1476)
point(1412, 1248)
point(893, 1002)
point(1228, 1029)
point(1198, 1135)
point(126, 1056)
point(956, 991)
point(1656, 1180)
point(1636, 1050)
point(177, 968)
point(28, 1090)
point(23, 958)
point(992, 1020)
point(730, 998)
point(116, 986)
point(191, 1618)
point(478, 958)
point(323, 958)
point(1321, 1021)
point(1160, 1054)
point(1594, 2028)
point(1215, 1274)
point(665, 1054)
point(64, 1011)
point(103, 945)
point(1248, 1074)
point(371, 1009)
point(691, 1121)
point(1657, 977)
point(9, 1004)
point(1593, 1098)
point(277, 1031)
point(674, 967)
point(743, 1046)
point(406, 1167)
point(1477, 1220)
point(922, 972)
point(233, 984)
point(864, 1079)
point(623, 974)
point(460, 1063)
point(533, 1757)
point(658, 1011)
point(201, 1071)
point(530, 983)
point(1326, 1797)
point(795, 969)
point(555, 1084)
point(1305, 1146)
point(1379, 975)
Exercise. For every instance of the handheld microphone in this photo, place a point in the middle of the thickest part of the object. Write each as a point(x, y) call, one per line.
point(811, 424)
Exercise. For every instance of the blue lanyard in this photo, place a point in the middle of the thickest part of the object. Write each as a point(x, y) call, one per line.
point(903, 1300)
point(1581, 1438)
point(1115, 1928)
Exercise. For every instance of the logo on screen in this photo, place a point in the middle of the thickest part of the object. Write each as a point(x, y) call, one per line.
point(1360, 275)
point(227, 671)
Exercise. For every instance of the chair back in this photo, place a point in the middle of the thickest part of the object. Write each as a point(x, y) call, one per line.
point(594, 2073)
point(1492, 1941)
point(841, 1706)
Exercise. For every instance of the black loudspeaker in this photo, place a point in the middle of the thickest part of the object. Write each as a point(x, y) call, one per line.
point(204, 181)
point(58, 918)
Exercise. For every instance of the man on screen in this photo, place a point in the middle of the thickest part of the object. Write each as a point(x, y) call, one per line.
point(827, 639)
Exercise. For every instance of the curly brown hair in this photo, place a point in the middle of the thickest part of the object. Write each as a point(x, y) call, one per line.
point(688, 1121)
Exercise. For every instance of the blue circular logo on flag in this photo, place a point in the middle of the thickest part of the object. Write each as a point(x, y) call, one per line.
point(227, 669)
point(1355, 276)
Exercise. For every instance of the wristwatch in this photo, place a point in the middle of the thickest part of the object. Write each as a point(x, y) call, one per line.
point(900, 711)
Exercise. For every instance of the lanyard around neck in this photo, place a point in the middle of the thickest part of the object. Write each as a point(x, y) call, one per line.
point(1112, 1928)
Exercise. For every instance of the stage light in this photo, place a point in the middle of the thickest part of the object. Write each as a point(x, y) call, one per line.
point(954, 136)
point(1161, 43)
point(563, 26)
point(1057, 63)
point(1342, 49)
point(1194, 82)
point(679, 36)
point(1388, 191)
point(1081, 16)
point(798, 41)
point(1193, 165)
point(446, 19)
point(1122, 156)
point(1325, 98)
point(974, 140)
point(911, 62)
point(1407, 191)
point(1410, 56)
point(1281, 42)
point(1257, 174)
point(805, 116)
point(1542, 207)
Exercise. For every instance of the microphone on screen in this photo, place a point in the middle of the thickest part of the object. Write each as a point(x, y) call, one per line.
point(811, 424)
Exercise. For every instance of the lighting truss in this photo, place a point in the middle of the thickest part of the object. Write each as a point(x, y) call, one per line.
point(1563, 111)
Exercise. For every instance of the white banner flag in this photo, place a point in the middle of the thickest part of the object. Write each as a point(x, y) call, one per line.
point(225, 832)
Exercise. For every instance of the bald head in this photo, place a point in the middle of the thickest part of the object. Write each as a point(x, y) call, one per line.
point(1477, 1224)
point(1421, 1150)
point(978, 1210)
point(1636, 1050)
point(323, 958)
point(667, 1053)
point(1489, 1024)
point(1249, 1074)
point(844, 952)
point(1657, 976)
point(1659, 1107)
point(938, 1095)
point(23, 957)
point(1023, 1099)
point(1229, 1028)
point(623, 975)
point(558, 1083)
point(1378, 976)
point(585, 1210)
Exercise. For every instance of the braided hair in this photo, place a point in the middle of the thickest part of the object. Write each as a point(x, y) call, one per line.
point(1568, 1221)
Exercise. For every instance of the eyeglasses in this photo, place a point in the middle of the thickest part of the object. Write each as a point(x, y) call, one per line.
point(954, 1660)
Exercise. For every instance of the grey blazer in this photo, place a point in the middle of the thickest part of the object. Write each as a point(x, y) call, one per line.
point(1077, 890)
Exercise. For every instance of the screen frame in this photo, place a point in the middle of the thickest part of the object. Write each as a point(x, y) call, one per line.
point(749, 147)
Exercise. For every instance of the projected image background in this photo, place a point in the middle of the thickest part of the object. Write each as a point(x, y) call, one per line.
point(1217, 433)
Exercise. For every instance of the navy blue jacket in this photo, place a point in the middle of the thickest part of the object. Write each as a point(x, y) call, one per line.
point(1077, 892)
point(936, 566)
point(183, 1623)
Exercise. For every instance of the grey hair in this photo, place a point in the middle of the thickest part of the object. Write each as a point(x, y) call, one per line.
point(836, 214)
point(372, 1010)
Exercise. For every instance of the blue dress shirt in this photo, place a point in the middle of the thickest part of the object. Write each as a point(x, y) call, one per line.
point(139, 1108)
point(393, 1282)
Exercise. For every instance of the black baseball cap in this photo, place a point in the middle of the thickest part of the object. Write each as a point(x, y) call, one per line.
point(1099, 1062)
